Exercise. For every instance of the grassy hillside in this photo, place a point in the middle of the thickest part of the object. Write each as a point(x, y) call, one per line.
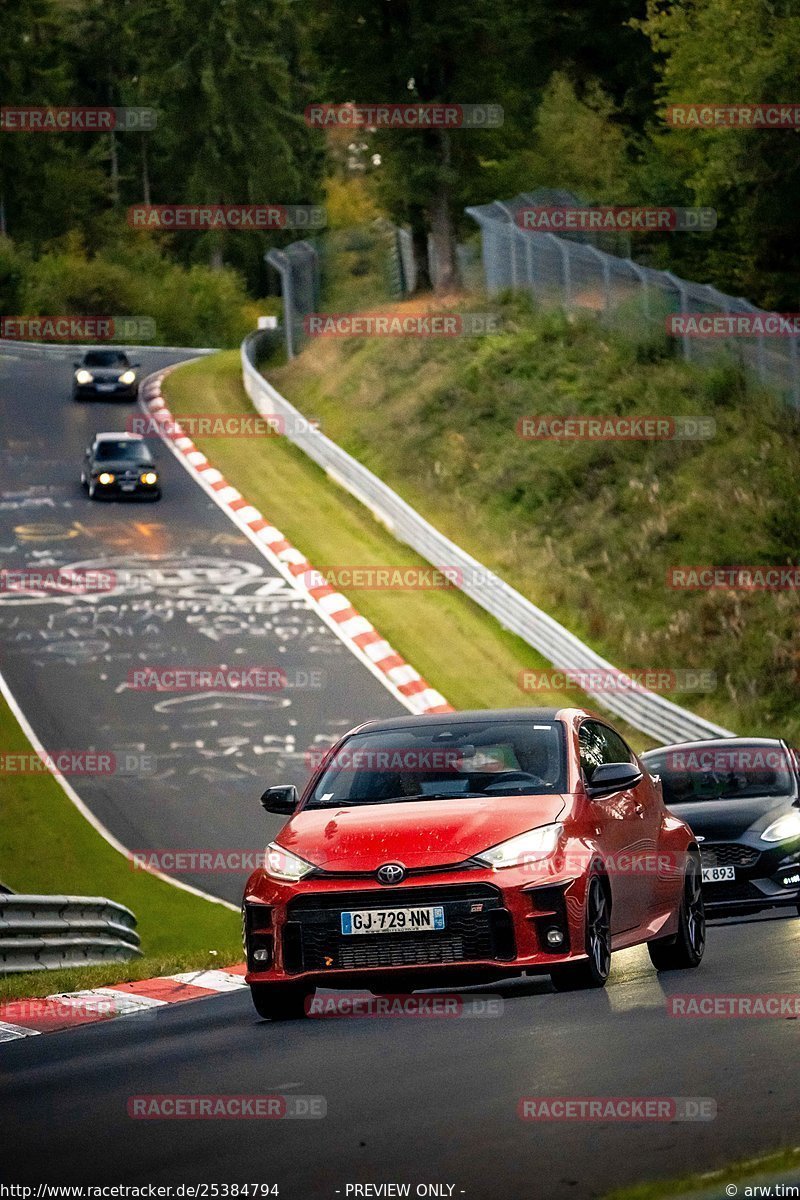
point(588, 530)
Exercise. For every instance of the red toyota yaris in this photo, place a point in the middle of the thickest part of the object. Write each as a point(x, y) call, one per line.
point(464, 847)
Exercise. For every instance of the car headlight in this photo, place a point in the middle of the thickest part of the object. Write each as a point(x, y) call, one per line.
point(149, 477)
point(83, 377)
point(537, 843)
point(128, 377)
point(105, 477)
point(281, 864)
point(784, 829)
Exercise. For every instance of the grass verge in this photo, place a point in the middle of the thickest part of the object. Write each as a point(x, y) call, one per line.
point(451, 641)
point(47, 846)
point(759, 1171)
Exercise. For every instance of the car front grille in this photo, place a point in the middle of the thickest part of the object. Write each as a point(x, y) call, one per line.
point(728, 854)
point(313, 941)
point(740, 890)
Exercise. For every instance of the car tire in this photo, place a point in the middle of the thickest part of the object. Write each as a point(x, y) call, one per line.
point(684, 950)
point(594, 972)
point(280, 1002)
point(91, 491)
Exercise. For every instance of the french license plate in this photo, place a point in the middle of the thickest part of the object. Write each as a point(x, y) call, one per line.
point(127, 487)
point(393, 920)
point(718, 874)
point(106, 387)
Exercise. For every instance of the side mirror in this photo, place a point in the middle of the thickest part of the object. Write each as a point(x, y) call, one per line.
point(613, 777)
point(135, 366)
point(282, 799)
point(76, 365)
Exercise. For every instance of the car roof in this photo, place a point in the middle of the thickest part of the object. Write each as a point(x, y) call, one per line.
point(431, 720)
point(711, 743)
point(118, 437)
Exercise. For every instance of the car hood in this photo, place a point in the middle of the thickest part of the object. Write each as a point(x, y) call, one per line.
point(725, 820)
point(425, 833)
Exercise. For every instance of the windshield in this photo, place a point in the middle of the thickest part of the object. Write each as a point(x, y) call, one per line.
point(721, 772)
point(477, 758)
point(129, 451)
point(105, 358)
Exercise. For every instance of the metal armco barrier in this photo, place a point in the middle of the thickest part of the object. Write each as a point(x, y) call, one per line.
point(42, 933)
point(646, 711)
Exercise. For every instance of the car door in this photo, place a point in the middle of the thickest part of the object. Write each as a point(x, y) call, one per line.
point(621, 825)
point(646, 812)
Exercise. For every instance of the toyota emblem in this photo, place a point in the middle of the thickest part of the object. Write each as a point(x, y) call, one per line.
point(391, 873)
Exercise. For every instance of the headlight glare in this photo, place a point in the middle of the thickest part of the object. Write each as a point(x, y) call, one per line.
point(105, 477)
point(83, 377)
point(784, 829)
point(149, 477)
point(525, 847)
point(128, 377)
point(282, 864)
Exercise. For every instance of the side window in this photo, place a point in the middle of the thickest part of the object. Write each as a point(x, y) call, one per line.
point(615, 749)
point(591, 745)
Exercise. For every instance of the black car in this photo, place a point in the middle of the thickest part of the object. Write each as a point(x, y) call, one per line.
point(741, 797)
point(118, 466)
point(105, 373)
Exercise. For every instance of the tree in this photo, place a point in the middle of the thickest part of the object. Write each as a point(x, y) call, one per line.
point(409, 51)
point(731, 52)
point(228, 78)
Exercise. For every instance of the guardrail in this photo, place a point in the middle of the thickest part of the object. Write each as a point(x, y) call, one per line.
point(644, 710)
point(42, 933)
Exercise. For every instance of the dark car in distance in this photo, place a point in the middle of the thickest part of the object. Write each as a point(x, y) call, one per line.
point(104, 374)
point(119, 466)
point(741, 797)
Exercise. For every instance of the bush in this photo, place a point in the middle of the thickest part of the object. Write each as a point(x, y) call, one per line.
point(197, 306)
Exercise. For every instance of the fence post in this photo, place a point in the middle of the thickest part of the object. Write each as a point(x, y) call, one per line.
point(604, 263)
point(641, 275)
point(280, 261)
point(681, 288)
point(794, 371)
point(566, 274)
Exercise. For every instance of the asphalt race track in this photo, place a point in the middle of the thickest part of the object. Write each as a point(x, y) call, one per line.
point(421, 1100)
point(409, 1100)
point(190, 765)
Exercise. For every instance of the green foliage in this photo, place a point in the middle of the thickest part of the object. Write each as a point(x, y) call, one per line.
point(589, 529)
point(194, 306)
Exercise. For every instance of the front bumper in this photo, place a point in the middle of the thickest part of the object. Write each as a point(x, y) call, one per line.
point(764, 878)
point(118, 491)
point(491, 930)
point(94, 391)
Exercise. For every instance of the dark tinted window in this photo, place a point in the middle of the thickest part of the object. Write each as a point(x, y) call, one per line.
point(105, 358)
point(485, 758)
point(592, 747)
point(128, 451)
point(616, 750)
point(599, 744)
point(721, 772)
